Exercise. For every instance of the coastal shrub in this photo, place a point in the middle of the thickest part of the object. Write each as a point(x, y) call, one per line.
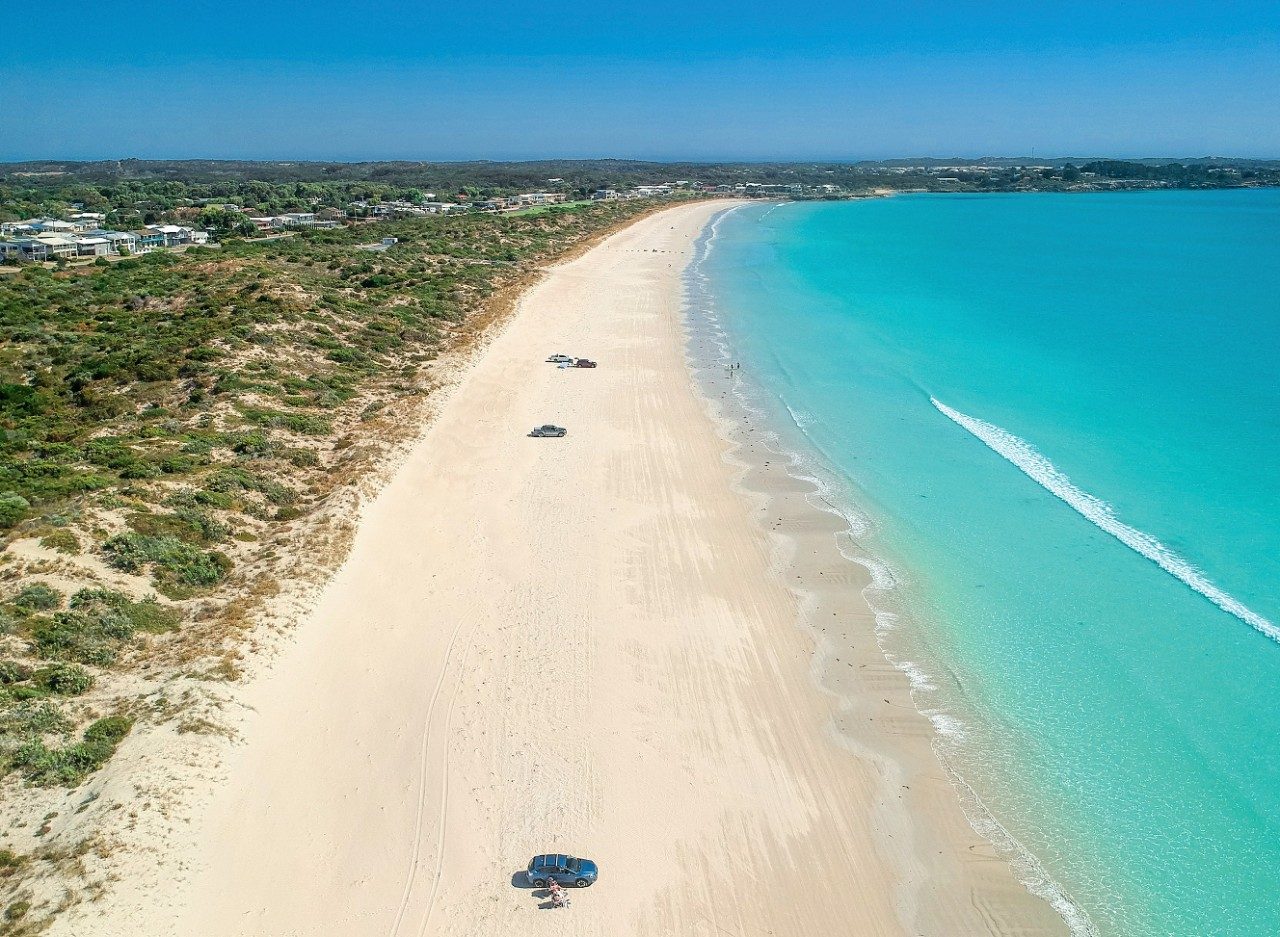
point(173, 562)
point(12, 671)
point(230, 478)
point(30, 719)
point(13, 508)
point(253, 445)
point(10, 862)
point(75, 636)
point(38, 597)
point(98, 623)
point(305, 424)
point(63, 679)
point(146, 615)
point(302, 458)
point(188, 524)
point(63, 541)
point(69, 765)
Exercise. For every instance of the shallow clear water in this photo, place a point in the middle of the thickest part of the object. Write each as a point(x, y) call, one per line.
point(1062, 414)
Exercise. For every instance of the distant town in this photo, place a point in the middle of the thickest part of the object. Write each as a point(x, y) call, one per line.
point(56, 212)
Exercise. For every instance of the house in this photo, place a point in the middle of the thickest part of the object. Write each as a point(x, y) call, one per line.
point(122, 241)
point(267, 222)
point(605, 194)
point(174, 235)
point(28, 249)
point(92, 247)
point(51, 226)
point(57, 245)
point(87, 220)
point(117, 240)
point(148, 240)
point(299, 219)
point(536, 198)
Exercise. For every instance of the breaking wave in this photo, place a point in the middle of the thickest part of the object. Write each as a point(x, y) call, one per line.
point(1038, 468)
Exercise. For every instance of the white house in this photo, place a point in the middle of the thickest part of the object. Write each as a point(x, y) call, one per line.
point(51, 226)
point(92, 247)
point(86, 220)
point(57, 245)
point(116, 240)
point(175, 235)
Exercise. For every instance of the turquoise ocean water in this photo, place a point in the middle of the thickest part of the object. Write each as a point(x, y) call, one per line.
point(1060, 415)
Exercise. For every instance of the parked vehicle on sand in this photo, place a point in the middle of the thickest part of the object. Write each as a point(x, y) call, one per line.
point(567, 870)
point(548, 429)
point(560, 359)
point(584, 363)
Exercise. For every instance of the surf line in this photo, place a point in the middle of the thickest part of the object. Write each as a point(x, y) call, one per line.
point(1040, 470)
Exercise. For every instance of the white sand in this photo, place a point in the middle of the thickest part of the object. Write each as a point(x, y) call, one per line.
point(578, 645)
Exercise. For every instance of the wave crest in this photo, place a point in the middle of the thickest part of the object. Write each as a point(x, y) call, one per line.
point(1040, 470)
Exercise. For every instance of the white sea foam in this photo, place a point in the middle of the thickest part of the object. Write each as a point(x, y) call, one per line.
point(1051, 478)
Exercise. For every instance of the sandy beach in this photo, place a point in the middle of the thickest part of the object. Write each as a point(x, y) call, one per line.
point(605, 645)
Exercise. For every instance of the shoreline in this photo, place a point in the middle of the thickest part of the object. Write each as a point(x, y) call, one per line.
point(797, 512)
point(587, 644)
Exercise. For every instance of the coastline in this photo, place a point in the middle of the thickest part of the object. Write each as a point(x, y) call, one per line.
point(649, 571)
point(814, 538)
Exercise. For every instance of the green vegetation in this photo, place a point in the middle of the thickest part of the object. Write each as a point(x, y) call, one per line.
point(136, 192)
point(210, 368)
point(68, 765)
point(64, 541)
point(177, 567)
point(169, 423)
point(166, 415)
point(37, 597)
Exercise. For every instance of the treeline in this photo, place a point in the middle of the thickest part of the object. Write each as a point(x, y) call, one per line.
point(1180, 174)
point(136, 192)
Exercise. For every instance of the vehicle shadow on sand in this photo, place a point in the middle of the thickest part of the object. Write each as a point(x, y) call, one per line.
point(521, 880)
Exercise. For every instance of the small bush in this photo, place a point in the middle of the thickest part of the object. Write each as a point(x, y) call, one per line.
point(10, 862)
point(187, 524)
point(13, 508)
point(64, 541)
point(32, 719)
point(11, 671)
point(71, 764)
point(74, 636)
point(305, 424)
point(98, 623)
point(38, 597)
point(173, 561)
point(63, 679)
point(302, 458)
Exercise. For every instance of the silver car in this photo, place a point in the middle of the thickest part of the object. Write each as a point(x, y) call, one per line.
point(547, 429)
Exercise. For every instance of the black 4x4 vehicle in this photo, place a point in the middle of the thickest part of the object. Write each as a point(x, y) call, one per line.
point(566, 870)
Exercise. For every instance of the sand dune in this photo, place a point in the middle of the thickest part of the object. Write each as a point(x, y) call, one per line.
point(580, 645)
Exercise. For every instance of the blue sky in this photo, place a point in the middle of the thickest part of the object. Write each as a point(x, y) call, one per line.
point(572, 78)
